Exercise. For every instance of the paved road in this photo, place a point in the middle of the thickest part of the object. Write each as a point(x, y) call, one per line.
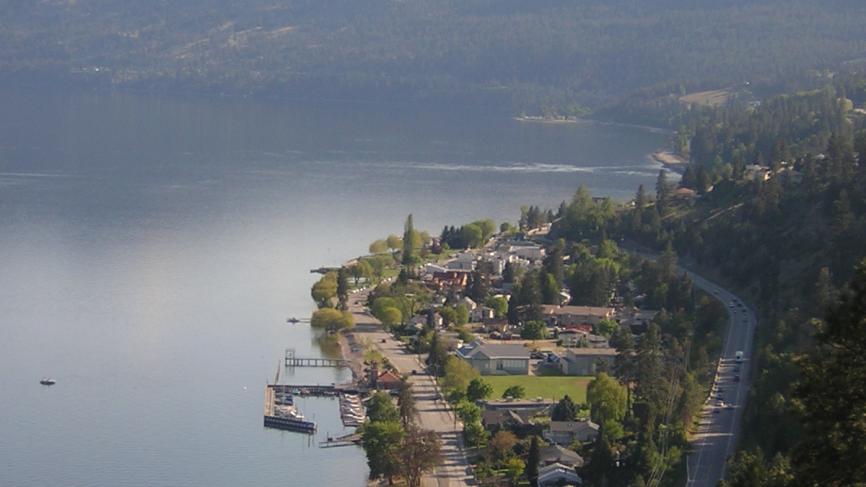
point(433, 413)
point(719, 427)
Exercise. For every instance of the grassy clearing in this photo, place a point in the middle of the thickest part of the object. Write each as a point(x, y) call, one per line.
point(549, 387)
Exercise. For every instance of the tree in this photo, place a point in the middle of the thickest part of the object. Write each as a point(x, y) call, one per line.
point(380, 407)
point(343, 288)
point(438, 355)
point(565, 410)
point(499, 305)
point(461, 315)
point(607, 328)
point(474, 434)
point(663, 190)
point(361, 270)
point(411, 243)
point(458, 374)
point(533, 330)
point(515, 392)
point(332, 319)
point(833, 394)
point(393, 242)
point(378, 247)
point(501, 444)
point(514, 467)
point(381, 441)
point(391, 316)
point(532, 460)
point(478, 389)
point(419, 452)
point(606, 398)
point(324, 290)
point(406, 404)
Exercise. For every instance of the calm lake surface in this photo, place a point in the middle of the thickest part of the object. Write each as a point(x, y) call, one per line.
point(152, 248)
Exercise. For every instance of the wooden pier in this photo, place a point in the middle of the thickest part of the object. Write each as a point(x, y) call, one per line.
point(293, 361)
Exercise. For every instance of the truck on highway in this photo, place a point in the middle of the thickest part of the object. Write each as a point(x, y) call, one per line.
point(739, 356)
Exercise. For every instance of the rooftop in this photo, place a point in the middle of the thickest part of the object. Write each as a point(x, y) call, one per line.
point(550, 309)
point(493, 351)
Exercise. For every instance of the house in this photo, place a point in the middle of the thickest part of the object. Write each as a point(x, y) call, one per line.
point(557, 474)
point(389, 380)
point(568, 432)
point(572, 315)
point(558, 454)
point(639, 319)
point(469, 303)
point(586, 361)
point(490, 359)
point(528, 251)
point(511, 419)
point(450, 279)
point(581, 339)
point(462, 262)
point(685, 194)
point(482, 314)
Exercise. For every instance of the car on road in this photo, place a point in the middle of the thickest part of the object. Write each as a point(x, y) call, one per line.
point(736, 378)
point(720, 396)
point(729, 406)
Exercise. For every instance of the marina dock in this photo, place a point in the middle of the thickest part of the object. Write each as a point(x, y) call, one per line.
point(278, 413)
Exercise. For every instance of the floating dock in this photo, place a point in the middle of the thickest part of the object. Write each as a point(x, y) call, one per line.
point(275, 416)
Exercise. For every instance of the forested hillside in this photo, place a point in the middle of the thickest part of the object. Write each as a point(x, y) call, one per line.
point(778, 210)
point(559, 54)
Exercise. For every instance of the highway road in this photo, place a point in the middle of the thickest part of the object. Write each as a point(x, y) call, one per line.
point(721, 416)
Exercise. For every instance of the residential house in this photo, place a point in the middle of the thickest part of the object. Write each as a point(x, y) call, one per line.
point(451, 279)
point(558, 454)
point(569, 315)
point(513, 420)
point(638, 320)
point(578, 339)
point(482, 314)
point(464, 261)
point(530, 252)
point(491, 359)
point(586, 361)
point(568, 432)
point(557, 474)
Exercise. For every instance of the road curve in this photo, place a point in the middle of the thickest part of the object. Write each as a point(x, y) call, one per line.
point(719, 427)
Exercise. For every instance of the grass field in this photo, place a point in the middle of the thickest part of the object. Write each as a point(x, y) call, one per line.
point(537, 386)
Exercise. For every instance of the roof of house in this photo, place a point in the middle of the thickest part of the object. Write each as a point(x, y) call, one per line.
point(595, 352)
point(493, 351)
point(550, 309)
point(558, 470)
point(558, 454)
point(572, 426)
point(502, 416)
point(389, 377)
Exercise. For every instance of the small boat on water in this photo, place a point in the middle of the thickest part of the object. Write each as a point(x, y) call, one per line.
point(47, 381)
point(293, 321)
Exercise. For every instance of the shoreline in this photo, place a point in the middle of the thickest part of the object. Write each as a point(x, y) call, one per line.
point(670, 161)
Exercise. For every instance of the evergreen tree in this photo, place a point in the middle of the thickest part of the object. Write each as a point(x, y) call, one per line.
point(532, 460)
point(411, 241)
point(833, 393)
point(663, 190)
point(565, 410)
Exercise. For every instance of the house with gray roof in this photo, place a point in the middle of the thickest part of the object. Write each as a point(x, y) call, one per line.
point(496, 359)
point(558, 454)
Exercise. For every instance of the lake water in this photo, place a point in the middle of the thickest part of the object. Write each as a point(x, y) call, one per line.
point(151, 249)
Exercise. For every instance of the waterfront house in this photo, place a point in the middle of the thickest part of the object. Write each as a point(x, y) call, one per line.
point(493, 359)
point(568, 432)
point(586, 361)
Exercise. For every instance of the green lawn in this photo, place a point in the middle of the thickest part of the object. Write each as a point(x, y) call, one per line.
point(548, 387)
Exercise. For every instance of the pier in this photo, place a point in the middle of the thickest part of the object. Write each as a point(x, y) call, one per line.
point(293, 361)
